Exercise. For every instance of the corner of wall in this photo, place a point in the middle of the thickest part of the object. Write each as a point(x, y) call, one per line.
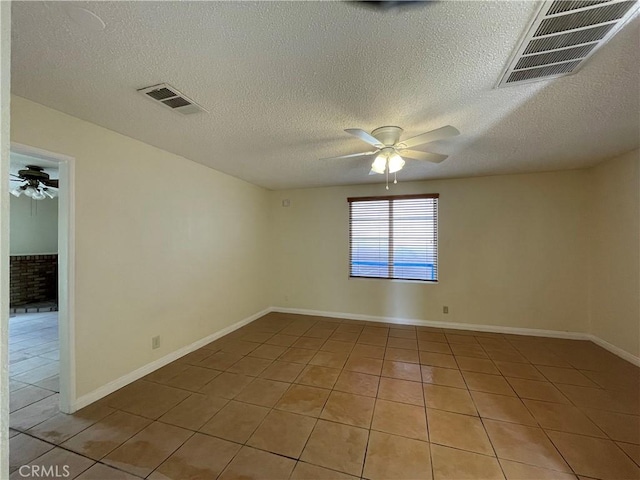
point(5, 100)
point(613, 206)
point(589, 205)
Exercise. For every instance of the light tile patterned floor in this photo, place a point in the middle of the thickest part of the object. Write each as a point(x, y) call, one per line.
point(301, 397)
point(33, 358)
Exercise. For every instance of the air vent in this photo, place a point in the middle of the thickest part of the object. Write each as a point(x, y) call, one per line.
point(529, 73)
point(568, 39)
point(564, 34)
point(568, 5)
point(171, 98)
point(555, 56)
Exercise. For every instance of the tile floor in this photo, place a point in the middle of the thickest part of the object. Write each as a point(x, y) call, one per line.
point(299, 397)
point(33, 358)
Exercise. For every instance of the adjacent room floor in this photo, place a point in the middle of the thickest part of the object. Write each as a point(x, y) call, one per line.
point(34, 354)
point(301, 397)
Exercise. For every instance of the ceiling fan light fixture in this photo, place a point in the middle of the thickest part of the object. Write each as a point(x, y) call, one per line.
point(38, 195)
point(395, 163)
point(380, 164)
point(35, 183)
point(29, 191)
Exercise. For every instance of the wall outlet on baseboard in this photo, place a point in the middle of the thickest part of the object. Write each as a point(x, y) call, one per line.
point(155, 342)
point(445, 309)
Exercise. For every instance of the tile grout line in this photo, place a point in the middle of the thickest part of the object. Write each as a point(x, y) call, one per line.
point(67, 449)
point(549, 439)
point(535, 366)
point(382, 375)
point(537, 422)
point(532, 416)
point(116, 409)
point(426, 418)
point(375, 405)
point(244, 444)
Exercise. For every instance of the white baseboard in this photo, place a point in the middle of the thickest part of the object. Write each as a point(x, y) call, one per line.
point(629, 357)
point(432, 323)
point(536, 332)
point(161, 362)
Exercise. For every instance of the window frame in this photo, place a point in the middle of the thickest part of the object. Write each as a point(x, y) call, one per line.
point(391, 198)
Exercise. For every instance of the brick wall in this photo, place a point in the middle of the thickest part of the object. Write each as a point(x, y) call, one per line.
point(34, 279)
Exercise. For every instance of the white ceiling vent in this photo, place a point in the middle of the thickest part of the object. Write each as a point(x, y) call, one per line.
point(171, 98)
point(564, 34)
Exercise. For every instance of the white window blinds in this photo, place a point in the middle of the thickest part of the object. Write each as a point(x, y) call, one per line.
point(394, 237)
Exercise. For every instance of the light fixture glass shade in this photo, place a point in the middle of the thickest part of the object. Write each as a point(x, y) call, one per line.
point(380, 164)
point(395, 163)
point(39, 192)
point(38, 195)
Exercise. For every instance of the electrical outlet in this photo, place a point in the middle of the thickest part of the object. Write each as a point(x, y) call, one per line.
point(286, 202)
point(445, 309)
point(155, 342)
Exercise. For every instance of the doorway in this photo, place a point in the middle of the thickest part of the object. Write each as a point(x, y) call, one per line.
point(41, 333)
point(34, 351)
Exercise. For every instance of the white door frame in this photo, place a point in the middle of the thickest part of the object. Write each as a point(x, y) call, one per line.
point(66, 269)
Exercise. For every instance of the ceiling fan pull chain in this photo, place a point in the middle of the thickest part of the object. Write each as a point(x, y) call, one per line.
point(395, 178)
point(387, 177)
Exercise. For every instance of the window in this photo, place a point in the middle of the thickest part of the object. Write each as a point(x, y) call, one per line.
point(394, 237)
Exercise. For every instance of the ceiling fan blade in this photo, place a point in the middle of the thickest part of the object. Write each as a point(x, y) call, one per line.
point(353, 155)
point(428, 137)
point(429, 157)
point(51, 182)
point(14, 175)
point(365, 137)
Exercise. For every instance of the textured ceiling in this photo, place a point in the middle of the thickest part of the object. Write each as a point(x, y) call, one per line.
point(281, 80)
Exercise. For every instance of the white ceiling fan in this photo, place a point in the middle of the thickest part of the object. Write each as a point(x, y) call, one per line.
point(390, 151)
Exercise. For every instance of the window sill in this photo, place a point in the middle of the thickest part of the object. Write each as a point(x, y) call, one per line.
point(396, 280)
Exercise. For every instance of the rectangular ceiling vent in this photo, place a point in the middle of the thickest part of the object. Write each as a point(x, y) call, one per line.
point(171, 98)
point(564, 34)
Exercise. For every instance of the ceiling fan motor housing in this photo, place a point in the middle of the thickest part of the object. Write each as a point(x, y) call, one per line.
point(34, 172)
point(388, 135)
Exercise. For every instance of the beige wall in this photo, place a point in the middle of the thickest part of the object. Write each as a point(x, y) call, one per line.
point(615, 252)
point(164, 246)
point(513, 252)
point(167, 247)
point(34, 226)
point(5, 98)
